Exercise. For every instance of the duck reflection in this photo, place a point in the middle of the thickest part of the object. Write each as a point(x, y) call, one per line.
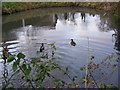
point(53, 53)
point(83, 16)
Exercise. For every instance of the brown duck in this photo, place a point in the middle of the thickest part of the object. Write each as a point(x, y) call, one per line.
point(72, 42)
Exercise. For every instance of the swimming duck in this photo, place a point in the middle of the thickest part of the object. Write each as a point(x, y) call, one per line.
point(114, 35)
point(72, 42)
point(92, 57)
point(42, 47)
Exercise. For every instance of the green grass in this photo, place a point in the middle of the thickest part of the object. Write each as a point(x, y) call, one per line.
point(11, 7)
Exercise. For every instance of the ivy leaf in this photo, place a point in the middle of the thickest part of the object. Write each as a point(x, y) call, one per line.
point(10, 59)
point(20, 55)
point(14, 67)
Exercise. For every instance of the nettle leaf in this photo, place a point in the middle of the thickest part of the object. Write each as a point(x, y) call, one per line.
point(18, 61)
point(20, 55)
point(112, 54)
point(53, 67)
point(108, 86)
point(57, 85)
point(18, 71)
point(111, 86)
point(10, 59)
point(81, 68)
point(43, 65)
point(28, 70)
point(27, 79)
point(33, 60)
point(56, 80)
point(24, 67)
point(14, 67)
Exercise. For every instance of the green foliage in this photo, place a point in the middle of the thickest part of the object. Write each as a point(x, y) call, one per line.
point(10, 86)
point(107, 86)
point(82, 68)
point(14, 66)
point(11, 7)
point(18, 61)
point(20, 55)
point(10, 59)
point(42, 69)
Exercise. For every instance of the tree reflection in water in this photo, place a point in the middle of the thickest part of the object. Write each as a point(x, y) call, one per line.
point(83, 16)
point(111, 22)
point(107, 23)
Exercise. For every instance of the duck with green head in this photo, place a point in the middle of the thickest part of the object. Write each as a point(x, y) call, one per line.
point(42, 47)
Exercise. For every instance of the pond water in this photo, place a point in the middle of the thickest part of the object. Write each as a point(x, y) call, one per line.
point(91, 30)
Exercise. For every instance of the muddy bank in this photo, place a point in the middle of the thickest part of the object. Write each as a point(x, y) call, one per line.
point(13, 7)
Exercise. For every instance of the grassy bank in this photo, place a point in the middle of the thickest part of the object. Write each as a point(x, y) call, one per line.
point(12, 7)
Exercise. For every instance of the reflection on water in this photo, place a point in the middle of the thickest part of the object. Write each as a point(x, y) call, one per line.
point(23, 33)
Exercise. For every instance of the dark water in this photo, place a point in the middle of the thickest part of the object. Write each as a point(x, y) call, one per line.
point(24, 31)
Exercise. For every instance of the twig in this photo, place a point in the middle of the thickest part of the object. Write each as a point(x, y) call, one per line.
point(93, 78)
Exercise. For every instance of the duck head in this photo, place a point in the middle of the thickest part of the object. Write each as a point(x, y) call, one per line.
point(42, 44)
point(71, 39)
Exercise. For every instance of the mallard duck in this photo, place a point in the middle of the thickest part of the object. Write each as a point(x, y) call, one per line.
point(42, 47)
point(92, 57)
point(114, 34)
point(72, 42)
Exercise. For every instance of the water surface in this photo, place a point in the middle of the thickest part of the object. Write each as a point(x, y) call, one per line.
point(92, 31)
